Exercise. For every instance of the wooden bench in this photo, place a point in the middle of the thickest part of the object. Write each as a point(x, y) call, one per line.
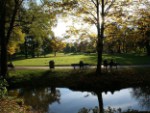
point(111, 64)
point(80, 66)
point(10, 66)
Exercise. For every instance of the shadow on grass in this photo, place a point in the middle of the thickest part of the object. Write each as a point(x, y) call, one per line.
point(83, 79)
point(123, 59)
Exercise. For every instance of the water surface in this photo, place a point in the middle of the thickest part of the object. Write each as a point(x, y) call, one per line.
point(64, 100)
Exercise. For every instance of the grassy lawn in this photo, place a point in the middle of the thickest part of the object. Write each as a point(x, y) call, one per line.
point(80, 78)
point(67, 59)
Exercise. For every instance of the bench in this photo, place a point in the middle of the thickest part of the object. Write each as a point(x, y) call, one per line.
point(11, 66)
point(110, 64)
point(113, 64)
point(81, 66)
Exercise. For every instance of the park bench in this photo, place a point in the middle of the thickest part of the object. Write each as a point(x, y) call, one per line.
point(111, 64)
point(80, 65)
point(10, 65)
point(114, 64)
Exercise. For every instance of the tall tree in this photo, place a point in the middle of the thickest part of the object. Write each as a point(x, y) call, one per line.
point(7, 21)
point(37, 21)
point(94, 12)
point(2, 37)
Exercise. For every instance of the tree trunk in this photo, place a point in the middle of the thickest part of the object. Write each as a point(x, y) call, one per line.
point(26, 48)
point(119, 47)
point(3, 58)
point(123, 44)
point(4, 70)
point(33, 51)
point(98, 69)
point(11, 24)
point(99, 54)
point(100, 101)
point(148, 47)
point(33, 48)
point(100, 37)
point(55, 53)
point(148, 42)
point(5, 39)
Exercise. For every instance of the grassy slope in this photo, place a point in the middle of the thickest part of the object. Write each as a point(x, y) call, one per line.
point(61, 59)
point(81, 78)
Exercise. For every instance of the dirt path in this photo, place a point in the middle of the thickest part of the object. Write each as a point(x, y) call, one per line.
point(70, 67)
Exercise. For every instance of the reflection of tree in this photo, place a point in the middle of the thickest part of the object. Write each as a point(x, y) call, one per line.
point(143, 96)
point(40, 98)
point(96, 109)
point(100, 101)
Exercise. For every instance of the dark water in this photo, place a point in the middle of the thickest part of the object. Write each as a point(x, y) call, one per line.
point(64, 100)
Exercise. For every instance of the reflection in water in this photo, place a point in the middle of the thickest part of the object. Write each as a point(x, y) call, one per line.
point(142, 95)
point(100, 101)
point(39, 98)
point(48, 99)
point(99, 109)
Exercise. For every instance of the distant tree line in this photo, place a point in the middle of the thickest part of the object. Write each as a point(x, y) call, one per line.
point(81, 47)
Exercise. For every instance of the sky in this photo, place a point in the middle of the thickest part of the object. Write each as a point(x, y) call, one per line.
point(61, 28)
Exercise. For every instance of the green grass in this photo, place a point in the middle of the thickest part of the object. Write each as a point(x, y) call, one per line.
point(68, 59)
point(80, 78)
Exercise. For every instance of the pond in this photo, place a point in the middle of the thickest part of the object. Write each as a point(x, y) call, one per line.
point(64, 100)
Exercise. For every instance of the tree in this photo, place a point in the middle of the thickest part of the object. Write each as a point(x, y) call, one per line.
point(7, 18)
point(94, 12)
point(67, 49)
point(143, 23)
point(3, 52)
point(17, 38)
point(126, 34)
point(73, 49)
point(120, 38)
point(57, 45)
point(37, 21)
point(46, 47)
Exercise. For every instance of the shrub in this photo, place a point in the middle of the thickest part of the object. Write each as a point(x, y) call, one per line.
point(3, 85)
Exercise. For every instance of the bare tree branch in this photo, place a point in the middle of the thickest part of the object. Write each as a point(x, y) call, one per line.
point(94, 3)
point(86, 3)
point(93, 15)
point(111, 4)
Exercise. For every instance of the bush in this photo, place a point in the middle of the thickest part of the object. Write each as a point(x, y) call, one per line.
point(3, 89)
